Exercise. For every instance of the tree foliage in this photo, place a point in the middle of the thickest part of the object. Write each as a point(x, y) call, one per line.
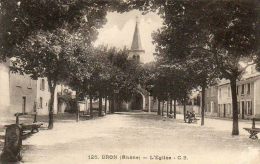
point(21, 18)
point(222, 32)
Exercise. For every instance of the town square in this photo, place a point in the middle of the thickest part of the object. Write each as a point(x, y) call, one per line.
point(129, 81)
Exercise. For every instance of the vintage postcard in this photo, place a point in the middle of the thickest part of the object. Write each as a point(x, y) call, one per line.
point(129, 82)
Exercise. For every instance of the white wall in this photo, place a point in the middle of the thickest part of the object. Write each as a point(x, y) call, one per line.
point(224, 98)
point(45, 94)
point(4, 89)
point(257, 98)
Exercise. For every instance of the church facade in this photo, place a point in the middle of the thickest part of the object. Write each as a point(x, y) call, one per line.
point(141, 100)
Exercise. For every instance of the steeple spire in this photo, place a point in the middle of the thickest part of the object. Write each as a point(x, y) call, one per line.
point(137, 52)
point(136, 43)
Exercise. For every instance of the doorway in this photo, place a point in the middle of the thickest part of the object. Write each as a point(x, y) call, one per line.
point(137, 102)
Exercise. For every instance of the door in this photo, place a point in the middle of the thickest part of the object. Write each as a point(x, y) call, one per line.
point(224, 113)
point(243, 109)
point(24, 104)
point(137, 102)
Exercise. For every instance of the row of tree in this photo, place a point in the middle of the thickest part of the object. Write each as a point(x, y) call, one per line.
point(202, 41)
point(58, 45)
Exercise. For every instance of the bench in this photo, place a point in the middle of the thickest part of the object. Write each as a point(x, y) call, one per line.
point(84, 114)
point(171, 115)
point(190, 119)
point(28, 127)
point(253, 131)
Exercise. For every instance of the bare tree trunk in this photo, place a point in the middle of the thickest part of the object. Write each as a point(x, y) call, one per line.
point(77, 106)
point(203, 104)
point(51, 103)
point(174, 109)
point(167, 108)
point(90, 105)
point(184, 109)
point(110, 105)
point(113, 104)
point(159, 108)
point(100, 106)
point(235, 129)
point(105, 105)
point(170, 106)
point(163, 108)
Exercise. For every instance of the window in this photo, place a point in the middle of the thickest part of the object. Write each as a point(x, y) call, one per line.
point(41, 102)
point(42, 85)
point(219, 92)
point(237, 90)
point(248, 88)
point(224, 110)
point(243, 89)
point(243, 108)
point(249, 108)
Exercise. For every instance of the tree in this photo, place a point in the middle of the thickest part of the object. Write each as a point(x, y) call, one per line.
point(227, 32)
point(233, 38)
point(20, 19)
point(80, 71)
point(126, 75)
point(43, 40)
point(45, 54)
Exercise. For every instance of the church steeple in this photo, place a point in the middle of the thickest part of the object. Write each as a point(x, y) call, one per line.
point(137, 51)
point(136, 43)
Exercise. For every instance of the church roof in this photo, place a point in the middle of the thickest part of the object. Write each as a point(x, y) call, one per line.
point(136, 44)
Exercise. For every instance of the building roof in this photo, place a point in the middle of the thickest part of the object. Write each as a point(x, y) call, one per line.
point(136, 43)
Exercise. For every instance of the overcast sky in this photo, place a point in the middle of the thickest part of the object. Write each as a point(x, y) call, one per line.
point(119, 31)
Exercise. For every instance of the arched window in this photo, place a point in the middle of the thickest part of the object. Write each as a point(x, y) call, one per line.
point(134, 57)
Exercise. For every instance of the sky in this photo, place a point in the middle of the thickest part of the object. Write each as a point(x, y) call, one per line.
point(119, 31)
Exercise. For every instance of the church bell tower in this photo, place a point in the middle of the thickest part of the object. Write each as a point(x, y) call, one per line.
point(136, 52)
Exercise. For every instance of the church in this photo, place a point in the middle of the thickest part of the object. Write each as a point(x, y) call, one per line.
point(141, 101)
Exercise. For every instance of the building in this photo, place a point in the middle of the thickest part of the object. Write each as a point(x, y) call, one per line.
point(28, 95)
point(20, 93)
point(23, 92)
point(248, 96)
point(137, 52)
point(43, 97)
point(211, 101)
point(141, 100)
point(4, 89)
